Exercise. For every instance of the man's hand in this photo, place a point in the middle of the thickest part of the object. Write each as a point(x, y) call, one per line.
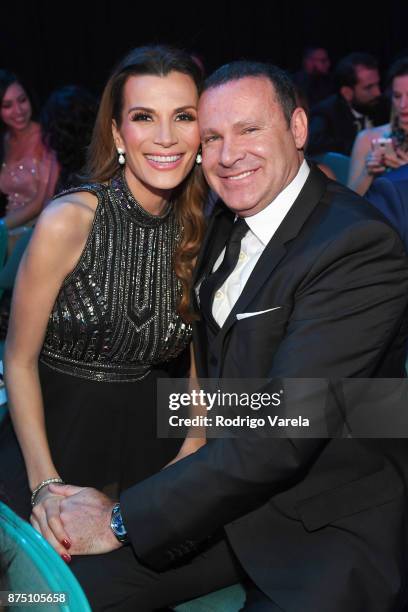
point(85, 515)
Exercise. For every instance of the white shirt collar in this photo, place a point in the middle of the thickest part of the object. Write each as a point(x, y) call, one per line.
point(265, 223)
point(356, 113)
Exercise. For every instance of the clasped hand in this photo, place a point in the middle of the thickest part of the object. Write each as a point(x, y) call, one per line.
point(75, 519)
point(377, 162)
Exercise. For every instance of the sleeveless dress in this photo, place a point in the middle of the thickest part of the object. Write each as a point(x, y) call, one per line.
point(22, 180)
point(112, 332)
point(35, 171)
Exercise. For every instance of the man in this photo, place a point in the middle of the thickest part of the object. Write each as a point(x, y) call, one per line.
point(315, 80)
point(308, 525)
point(336, 121)
point(389, 193)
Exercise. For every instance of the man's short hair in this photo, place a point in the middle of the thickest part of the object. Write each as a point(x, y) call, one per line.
point(282, 83)
point(346, 73)
point(311, 49)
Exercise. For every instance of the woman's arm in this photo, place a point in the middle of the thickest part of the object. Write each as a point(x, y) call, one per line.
point(55, 247)
point(48, 173)
point(196, 437)
point(365, 164)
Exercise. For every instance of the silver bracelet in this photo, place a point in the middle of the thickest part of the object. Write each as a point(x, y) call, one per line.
point(43, 484)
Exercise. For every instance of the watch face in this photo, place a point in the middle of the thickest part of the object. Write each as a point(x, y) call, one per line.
point(117, 525)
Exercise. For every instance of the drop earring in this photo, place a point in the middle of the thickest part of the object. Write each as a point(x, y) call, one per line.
point(199, 158)
point(121, 154)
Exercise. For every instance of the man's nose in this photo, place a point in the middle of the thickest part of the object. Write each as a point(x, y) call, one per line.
point(230, 153)
point(403, 102)
point(165, 134)
point(377, 91)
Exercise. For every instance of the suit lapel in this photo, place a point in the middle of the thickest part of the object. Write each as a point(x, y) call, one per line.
point(310, 195)
point(215, 238)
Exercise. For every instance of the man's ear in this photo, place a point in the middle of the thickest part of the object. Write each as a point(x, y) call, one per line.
point(347, 93)
point(116, 135)
point(298, 126)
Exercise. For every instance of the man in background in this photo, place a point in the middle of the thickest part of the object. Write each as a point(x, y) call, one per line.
point(356, 105)
point(315, 80)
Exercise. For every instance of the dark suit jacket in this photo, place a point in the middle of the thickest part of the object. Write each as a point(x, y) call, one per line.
point(389, 193)
point(319, 525)
point(332, 127)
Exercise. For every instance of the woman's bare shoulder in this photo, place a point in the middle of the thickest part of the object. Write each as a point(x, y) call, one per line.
point(376, 132)
point(68, 217)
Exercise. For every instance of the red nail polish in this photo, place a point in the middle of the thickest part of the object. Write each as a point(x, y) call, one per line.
point(66, 543)
point(67, 558)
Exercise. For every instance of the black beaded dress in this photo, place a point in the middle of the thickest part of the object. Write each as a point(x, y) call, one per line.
point(112, 332)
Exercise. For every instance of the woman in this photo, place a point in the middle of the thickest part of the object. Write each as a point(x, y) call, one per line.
point(29, 170)
point(385, 147)
point(101, 301)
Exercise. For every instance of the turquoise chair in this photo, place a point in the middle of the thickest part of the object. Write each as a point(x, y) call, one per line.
point(3, 394)
point(3, 247)
point(8, 269)
point(337, 162)
point(30, 565)
point(230, 599)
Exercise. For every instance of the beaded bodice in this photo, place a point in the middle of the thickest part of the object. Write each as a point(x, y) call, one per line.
point(115, 315)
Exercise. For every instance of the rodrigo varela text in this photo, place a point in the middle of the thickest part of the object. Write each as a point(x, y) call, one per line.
point(238, 421)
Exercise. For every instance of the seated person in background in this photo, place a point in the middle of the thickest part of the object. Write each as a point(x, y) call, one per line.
point(389, 193)
point(385, 147)
point(315, 78)
point(336, 120)
point(29, 170)
point(67, 121)
point(301, 100)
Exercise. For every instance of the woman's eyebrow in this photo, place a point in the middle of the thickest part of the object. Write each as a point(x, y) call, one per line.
point(151, 110)
point(143, 108)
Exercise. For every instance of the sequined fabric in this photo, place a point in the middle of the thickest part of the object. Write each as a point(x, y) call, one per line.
point(19, 181)
point(32, 172)
point(115, 316)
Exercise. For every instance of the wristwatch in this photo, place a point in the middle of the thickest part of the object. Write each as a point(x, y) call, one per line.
point(117, 526)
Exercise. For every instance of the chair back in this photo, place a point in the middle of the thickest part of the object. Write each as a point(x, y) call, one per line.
point(28, 564)
point(337, 162)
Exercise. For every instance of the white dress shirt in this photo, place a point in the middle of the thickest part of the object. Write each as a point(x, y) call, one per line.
point(262, 227)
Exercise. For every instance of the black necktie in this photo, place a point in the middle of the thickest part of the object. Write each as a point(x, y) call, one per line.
point(210, 285)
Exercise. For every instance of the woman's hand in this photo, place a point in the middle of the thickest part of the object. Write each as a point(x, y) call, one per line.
point(189, 446)
point(375, 162)
point(395, 160)
point(46, 519)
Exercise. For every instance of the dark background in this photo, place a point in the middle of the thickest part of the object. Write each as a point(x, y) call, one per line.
point(59, 43)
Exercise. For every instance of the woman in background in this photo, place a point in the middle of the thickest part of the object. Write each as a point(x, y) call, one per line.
point(385, 147)
point(29, 170)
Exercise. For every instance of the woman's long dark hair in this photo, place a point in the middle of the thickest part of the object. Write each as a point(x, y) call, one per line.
point(103, 159)
point(67, 121)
